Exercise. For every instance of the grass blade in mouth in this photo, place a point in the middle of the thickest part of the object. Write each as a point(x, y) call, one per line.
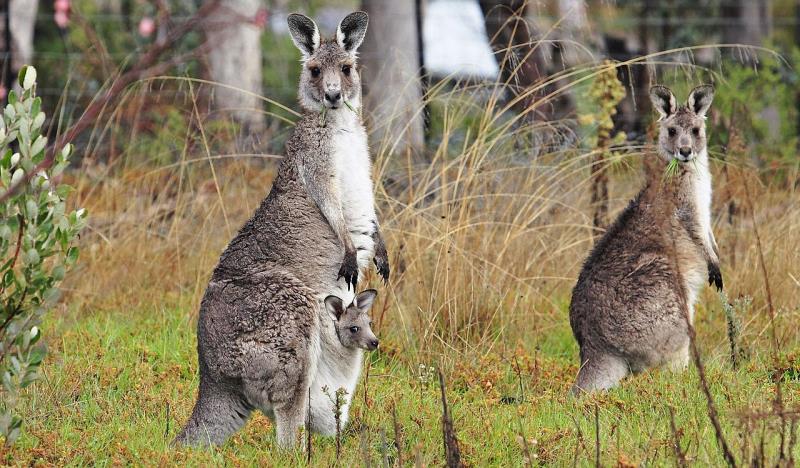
point(322, 116)
point(349, 106)
point(672, 169)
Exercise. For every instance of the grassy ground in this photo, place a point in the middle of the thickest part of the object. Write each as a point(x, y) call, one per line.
point(119, 384)
point(486, 242)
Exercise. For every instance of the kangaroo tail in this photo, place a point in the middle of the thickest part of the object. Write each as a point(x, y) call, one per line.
point(217, 414)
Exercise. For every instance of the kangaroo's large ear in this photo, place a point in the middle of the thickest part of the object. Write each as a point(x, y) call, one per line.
point(351, 31)
point(334, 306)
point(700, 99)
point(305, 33)
point(365, 299)
point(663, 101)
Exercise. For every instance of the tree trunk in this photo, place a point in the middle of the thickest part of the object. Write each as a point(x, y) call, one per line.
point(390, 75)
point(521, 64)
point(575, 27)
point(757, 21)
point(234, 61)
point(797, 91)
point(748, 21)
point(22, 19)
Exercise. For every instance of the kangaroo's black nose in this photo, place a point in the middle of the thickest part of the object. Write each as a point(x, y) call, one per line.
point(373, 344)
point(333, 97)
point(685, 151)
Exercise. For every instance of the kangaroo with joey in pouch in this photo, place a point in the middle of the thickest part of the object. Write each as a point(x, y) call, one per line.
point(267, 337)
point(634, 298)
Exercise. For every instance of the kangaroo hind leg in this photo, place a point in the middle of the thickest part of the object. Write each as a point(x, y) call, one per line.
point(289, 417)
point(600, 372)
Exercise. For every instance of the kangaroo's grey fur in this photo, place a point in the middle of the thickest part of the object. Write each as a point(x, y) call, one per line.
point(265, 340)
point(627, 310)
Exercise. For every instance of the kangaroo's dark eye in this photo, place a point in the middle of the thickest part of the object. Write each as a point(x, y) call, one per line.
point(315, 72)
point(672, 131)
point(346, 69)
point(354, 329)
point(696, 131)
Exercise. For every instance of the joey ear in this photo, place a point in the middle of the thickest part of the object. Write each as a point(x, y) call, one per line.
point(700, 99)
point(351, 31)
point(334, 306)
point(304, 32)
point(365, 299)
point(663, 101)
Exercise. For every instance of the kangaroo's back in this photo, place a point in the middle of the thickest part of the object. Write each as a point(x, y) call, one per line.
point(288, 229)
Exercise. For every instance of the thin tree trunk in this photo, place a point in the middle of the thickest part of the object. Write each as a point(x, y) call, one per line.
point(756, 21)
point(20, 18)
point(797, 91)
point(234, 61)
point(575, 27)
point(390, 59)
point(23, 20)
point(747, 21)
point(521, 63)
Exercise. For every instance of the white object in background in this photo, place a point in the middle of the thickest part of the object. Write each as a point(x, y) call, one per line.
point(455, 40)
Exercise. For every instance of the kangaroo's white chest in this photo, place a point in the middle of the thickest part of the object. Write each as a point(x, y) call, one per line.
point(702, 194)
point(354, 174)
point(701, 199)
point(354, 171)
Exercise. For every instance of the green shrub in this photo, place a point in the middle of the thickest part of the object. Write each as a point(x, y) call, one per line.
point(36, 237)
point(746, 93)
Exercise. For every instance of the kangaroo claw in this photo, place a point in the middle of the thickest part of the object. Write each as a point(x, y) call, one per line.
point(714, 276)
point(349, 270)
point(382, 265)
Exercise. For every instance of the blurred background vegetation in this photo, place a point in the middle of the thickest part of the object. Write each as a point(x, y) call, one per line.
point(80, 46)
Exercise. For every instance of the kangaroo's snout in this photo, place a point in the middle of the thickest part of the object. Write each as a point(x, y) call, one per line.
point(685, 153)
point(333, 98)
point(373, 345)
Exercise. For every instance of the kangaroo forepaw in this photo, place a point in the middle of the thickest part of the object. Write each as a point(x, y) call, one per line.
point(349, 270)
point(714, 276)
point(382, 265)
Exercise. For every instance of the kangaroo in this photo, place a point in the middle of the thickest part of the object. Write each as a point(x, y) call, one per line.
point(629, 306)
point(353, 325)
point(264, 337)
point(354, 330)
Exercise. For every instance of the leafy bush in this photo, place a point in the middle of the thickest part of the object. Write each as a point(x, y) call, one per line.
point(759, 102)
point(36, 236)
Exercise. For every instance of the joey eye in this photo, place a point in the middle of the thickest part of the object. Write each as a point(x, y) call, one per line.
point(696, 131)
point(346, 69)
point(672, 131)
point(354, 329)
point(315, 72)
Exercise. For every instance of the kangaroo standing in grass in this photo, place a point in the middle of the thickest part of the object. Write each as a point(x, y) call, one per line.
point(628, 307)
point(265, 339)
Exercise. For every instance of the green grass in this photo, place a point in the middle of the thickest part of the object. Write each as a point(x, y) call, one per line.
point(672, 169)
point(117, 387)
